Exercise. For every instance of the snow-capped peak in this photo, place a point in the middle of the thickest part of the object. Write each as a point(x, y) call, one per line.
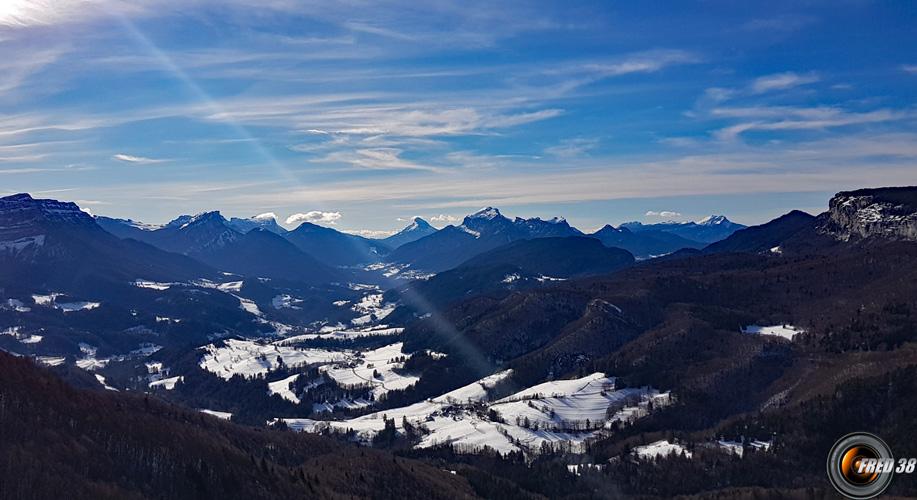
point(266, 221)
point(418, 223)
point(713, 220)
point(204, 217)
point(486, 213)
point(552, 220)
point(179, 221)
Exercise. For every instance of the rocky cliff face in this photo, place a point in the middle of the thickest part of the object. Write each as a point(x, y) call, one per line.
point(886, 213)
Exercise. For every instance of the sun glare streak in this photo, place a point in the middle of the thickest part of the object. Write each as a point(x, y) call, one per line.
point(205, 98)
point(24, 12)
point(441, 327)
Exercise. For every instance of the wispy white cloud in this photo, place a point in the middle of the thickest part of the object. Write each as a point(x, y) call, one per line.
point(140, 160)
point(315, 217)
point(782, 81)
point(909, 68)
point(16, 71)
point(373, 159)
point(572, 148)
point(789, 118)
point(265, 216)
point(761, 85)
point(645, 62)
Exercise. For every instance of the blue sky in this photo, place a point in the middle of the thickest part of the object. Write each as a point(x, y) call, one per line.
point(363, 114)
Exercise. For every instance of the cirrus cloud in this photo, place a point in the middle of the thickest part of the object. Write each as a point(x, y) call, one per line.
point(782, 81)
point(140, 160)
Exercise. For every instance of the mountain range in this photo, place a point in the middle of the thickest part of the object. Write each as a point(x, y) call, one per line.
point(419, 246)
point(770, 340)
point(707, 230)
point(209, 238)
point(48, 244)
point(489, 229)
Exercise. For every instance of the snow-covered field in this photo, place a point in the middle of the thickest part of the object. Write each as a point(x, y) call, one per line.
point(76, 306)
point(51, 360)
point(15, 305)
point(248, 305)
point(152, 285)
point(282, 388)
point(167, 383)
point(373, 370)
point(50, 300)
point(783, 331)
point(578, 469)
point(398, 271)
point(250, 358)
point(285, 301)
point(88, 361)
point(733, 447)
point(341, 404)
point(660, 449)
point(457, 418)
point(45, 300)
point(344, 334)
point(579, 404)
point(24, 338)
point(372, 308)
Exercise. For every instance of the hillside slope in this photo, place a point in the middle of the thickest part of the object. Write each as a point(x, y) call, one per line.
point(54, 439)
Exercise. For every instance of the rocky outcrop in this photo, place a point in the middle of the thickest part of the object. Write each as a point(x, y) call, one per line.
point(885, 213)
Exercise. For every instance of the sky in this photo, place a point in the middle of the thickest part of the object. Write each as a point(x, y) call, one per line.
point(362, 114)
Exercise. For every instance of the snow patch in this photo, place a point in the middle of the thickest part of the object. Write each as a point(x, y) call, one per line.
point(285, 302)
point(372, 309)
point(661, 448)
point(784, 331)
point(15, 305)
point(50, 360)
point(16, 333)
point(153, 285)
point(282, 387)
point(76, 306)
point(218, 414)
point(101, 380)
point(45, 300)
point(167, 383)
